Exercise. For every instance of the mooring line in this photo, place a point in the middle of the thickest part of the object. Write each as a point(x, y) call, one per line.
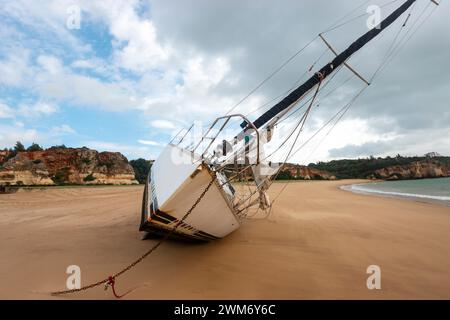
point(110, 281)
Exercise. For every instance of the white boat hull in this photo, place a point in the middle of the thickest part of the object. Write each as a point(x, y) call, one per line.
point(176, 181)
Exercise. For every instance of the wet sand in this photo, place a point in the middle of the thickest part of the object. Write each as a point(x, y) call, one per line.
point(317, 243)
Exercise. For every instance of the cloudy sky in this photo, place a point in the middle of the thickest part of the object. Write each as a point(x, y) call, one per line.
point(128, 74)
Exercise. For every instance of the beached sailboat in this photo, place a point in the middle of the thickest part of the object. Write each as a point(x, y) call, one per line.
point(203, 190)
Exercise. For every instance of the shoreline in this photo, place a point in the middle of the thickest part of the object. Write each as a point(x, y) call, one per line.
point(391, 194)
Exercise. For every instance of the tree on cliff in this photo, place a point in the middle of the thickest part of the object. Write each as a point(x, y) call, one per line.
point(62, 146)
point(34, 147)
point(19, 147)
point(141, 168)
point(363, 168)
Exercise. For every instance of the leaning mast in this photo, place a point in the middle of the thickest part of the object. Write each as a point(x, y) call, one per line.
point(281, 107)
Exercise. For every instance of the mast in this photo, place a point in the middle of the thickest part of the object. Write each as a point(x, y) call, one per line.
point(329, 68)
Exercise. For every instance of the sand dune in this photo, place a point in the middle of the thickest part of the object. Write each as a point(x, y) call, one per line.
point(317, 243)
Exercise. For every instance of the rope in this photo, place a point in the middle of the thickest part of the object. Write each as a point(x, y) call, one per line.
point(394, 50)
point(295, 84)
point(336, 23)
point(302, 123)
point(303, 120)
point(271, 75)
point(111, 280)
point(390, 54)
point(357, 17)
point(340, 114)
point(343, 110)
point(288, 116)
point(328, 81)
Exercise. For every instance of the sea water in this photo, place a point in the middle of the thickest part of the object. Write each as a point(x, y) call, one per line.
point(430, 190)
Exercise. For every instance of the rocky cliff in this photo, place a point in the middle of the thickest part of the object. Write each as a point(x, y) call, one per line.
point(4, 154)
point(66, 166)
point(415, 170)
point(296, 171)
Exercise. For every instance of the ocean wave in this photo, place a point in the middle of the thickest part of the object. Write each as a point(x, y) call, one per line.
point(364, 189)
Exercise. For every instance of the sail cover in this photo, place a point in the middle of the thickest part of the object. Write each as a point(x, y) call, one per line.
point(330, 67)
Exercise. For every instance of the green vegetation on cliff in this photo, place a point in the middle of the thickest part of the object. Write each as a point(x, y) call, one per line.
point(363, 168)
point(141, 169)
point(62, 163)
point(35, 147)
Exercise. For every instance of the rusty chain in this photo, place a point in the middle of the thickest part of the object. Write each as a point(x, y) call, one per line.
point(107, 281)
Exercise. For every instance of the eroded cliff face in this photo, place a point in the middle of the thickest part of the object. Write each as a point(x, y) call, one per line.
point(67, 166)
point(3, 155)
point(307, 173)
point(414, 170)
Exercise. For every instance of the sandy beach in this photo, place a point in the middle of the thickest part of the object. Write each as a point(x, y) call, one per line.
point(316, 244)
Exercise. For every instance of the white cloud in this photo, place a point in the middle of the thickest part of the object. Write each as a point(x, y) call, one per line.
point(48, 20)
point(149, 142)
point(171, 65)
point(137, 47)
point(98, 66)
point(36, 110)
point(83, 64)
point(130, 151)
point(201, 74)
point(51, 64)
point(10, 134)
point(14, 68)
point(162, 124)
point(182, 86)
point(62, 130)
point(5, 111)
point(355, 132)
point(60, 83)
point(196, 94)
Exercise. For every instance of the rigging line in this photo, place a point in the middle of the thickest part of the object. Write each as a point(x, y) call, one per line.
point(304, 120)
point(289, 136)
point(343, 110)
point(301, 119)
point(277, 124)
point(409, 14)
point(357, 17)
point(271, 75)
point(401, 44)
point(346, 15)
point(397, 52)
point(300, 108)
point(394, 43)
point(285, 63)
point(292, 87)
point(300, 130)
point(337, 87)
point(387, 54)
point(309, 99)
point(349, 104)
